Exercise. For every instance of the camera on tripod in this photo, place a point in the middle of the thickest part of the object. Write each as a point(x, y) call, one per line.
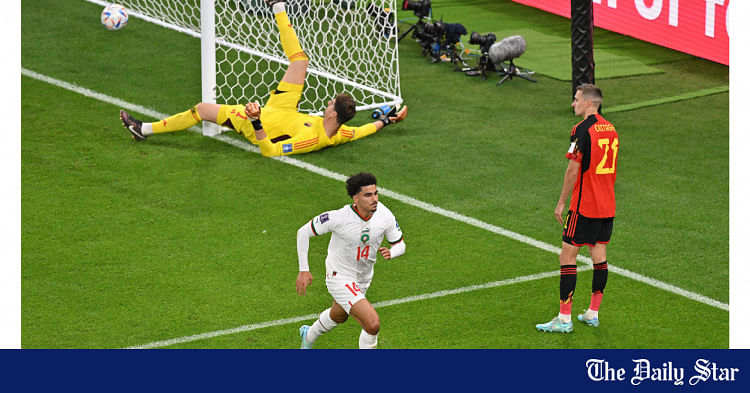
point(484, 64)
point(421, 8)
point(426, 33)
point(439, 40)
point(428, 36)
point(484, 41)
point(442, 41)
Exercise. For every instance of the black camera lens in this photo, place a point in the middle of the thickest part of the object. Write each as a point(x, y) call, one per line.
point(484, 41)
point(434, 29)
point(420, 8)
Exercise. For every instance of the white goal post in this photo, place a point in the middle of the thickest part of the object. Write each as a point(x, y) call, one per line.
point(352, 46)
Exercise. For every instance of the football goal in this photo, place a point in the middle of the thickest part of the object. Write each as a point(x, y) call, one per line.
point(352, 46)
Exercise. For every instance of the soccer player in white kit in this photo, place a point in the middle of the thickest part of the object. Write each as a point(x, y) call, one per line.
point(358, 230)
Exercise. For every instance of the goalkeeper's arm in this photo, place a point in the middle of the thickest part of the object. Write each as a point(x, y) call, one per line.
point(348, 134)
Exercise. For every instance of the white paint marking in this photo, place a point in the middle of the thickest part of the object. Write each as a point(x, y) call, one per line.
point(472, 288)
point(409, 299)
point(203, 336)
point(392, 194)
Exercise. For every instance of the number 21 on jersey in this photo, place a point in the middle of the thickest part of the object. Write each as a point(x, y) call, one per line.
point(363, 252)
point(605, 145)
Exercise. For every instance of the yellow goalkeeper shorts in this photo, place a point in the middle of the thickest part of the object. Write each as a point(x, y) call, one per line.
point(277, 112)
point(274, 116)
point(234, 116)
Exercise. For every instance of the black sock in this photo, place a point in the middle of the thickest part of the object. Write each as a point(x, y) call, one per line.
point(568, 274)
point(600, 277)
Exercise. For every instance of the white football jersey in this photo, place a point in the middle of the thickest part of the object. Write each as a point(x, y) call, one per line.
point(354, 244)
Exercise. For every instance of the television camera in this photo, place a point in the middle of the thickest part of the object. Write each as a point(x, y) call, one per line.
point(439, 40)
point(421, 9)
point(483, 63)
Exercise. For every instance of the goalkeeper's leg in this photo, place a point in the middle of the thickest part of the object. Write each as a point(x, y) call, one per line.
point(298, 59)
point(183, 120)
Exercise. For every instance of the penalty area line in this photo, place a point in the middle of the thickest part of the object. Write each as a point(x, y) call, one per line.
point(388, 193)
point(386, 303)
point(483, 225)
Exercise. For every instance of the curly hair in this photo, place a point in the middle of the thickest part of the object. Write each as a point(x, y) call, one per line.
point(355, 182)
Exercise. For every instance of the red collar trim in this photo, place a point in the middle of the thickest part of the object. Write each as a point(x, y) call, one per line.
point(359, 214)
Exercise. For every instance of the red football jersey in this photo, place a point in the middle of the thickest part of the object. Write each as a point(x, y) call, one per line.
point(594, 143)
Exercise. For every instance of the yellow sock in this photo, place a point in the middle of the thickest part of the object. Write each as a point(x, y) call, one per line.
point(177, 122)
point(289, 41)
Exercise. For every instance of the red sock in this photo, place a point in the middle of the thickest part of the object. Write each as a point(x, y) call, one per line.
point(596, 300)
point(566, 307)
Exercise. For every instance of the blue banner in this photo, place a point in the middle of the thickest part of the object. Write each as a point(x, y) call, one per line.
point(461, 370)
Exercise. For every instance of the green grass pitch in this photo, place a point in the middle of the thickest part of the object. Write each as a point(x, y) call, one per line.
point(126, 243)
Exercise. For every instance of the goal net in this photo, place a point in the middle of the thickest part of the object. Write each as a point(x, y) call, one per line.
point(352, 46)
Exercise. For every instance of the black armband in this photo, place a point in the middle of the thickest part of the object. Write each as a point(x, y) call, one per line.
point(257, 125)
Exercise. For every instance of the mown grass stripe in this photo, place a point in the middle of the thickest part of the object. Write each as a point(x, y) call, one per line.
point(386, 303)
point(402, 198)
point(667, 100)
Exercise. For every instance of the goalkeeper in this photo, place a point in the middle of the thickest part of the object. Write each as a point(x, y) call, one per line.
point(277, 128)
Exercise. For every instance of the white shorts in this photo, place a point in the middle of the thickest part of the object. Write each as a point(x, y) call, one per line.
point(346, 291)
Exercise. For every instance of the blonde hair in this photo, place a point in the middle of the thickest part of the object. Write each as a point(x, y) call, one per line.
point(591, 93)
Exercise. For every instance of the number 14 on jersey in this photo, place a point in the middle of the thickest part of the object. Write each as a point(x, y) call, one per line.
point(363, 252)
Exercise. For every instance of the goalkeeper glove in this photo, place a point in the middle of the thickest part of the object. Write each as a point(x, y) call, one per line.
point(384, 113)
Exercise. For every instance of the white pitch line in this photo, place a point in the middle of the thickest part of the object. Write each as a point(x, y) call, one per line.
point(202, 336)
point(471, 288)
point(386, 303)
point(483, 225)
point(402, 198)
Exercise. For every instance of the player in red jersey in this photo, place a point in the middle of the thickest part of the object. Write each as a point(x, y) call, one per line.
point(590, 182)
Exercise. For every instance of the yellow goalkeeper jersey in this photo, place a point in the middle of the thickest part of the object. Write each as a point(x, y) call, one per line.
point(288, 131)
point(300, 133)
